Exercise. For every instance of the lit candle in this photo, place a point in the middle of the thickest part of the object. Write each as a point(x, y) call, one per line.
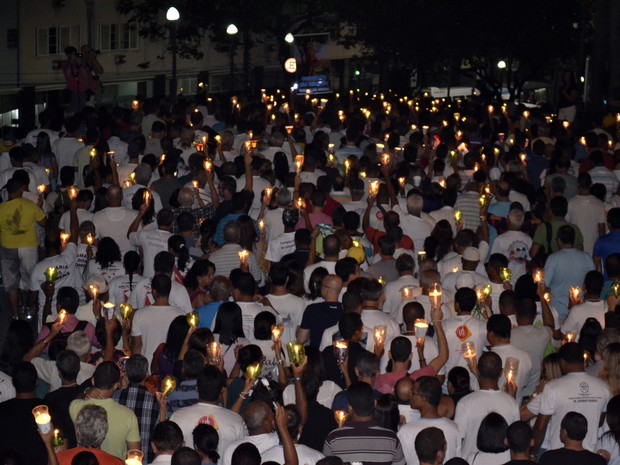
point(276, 332)
point(126, 310)
point(421, 257)
point(341, 350)
point(565, 124)
point(127, 184)
point(64, 238)
point(134, 457)
point(51, 275)
point(401, 182)
point(261, 225)
point(214, 352)
point(268, 192)
point(62, 316)
point(374, 187)
point(456, 269)
point(41, 188)
point(469, 350)
point(300, 203)
point(73, 192)
point(486, 290)
point(420, 327)
point(490, 109)
point(146, 197)
point(381, 280)
point(526, 114)
point(132, 177)
point(109, 310)
point(523, 157)
point(253, 371)
point(208, 165)
point(218, 139)
point(434, 295)
point(511, 368)
point(538, 276)
point(93, 152)
point(406, 293)
point(482, 200)
point(379, 333)
point(341, 417)
point(569, 337)
point(289, 129)
point(296, 353)
point(385, 158)
point(615, 289)
point(135, 105)
point(195, 184)
point(243, 256)
point(458, 216)
point(299, 163)
point(42, 418)
point(547, 297)
point(192, 319)
point(94, 290)
point(347, 166)
point(363, 174)
point(505, 274)
point(586, 359)
point(89, 239)
point(575, 293)
point(442, 183)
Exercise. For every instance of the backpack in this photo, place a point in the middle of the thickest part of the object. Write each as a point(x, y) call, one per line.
point(59, 342)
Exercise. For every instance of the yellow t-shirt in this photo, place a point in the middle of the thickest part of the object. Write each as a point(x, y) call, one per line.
point(17, 223)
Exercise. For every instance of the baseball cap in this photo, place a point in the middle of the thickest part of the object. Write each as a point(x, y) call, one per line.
point(471, 254)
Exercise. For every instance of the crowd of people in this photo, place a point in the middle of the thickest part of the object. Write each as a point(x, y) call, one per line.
point(361, 279)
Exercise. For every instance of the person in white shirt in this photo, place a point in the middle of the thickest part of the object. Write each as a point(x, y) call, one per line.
point(372, 315)
point(305, 454)
point(150, 325)
point(593, 307)
point(498, 335)
point(260, 422)
point(474, 407)
point(405, 286)
point(66, 147)
point(166, 439)
point(414, 226)
point(514, 244)
point(576, 391)
point(587, 213)
point(284, 243)
point(244, 287)
point(143, 176)
point(288, 306)
point(106, 262)
point(274, 225)
point(331, 249)
point(151, 241)
point(210, 383)
point(113, 220)
point(469, 264)
point(426, 395)
point(82, 156)
point(84, 200)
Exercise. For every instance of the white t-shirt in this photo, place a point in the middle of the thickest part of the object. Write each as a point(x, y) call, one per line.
point(249, 310)
point(574, 392)
point(408, 432)
point(372, 318)
point(471, 410)
point(143, 297)
point(279, 246)
point(305, 455)
point(65, 268)
point(488, 458)
point(152, 324)
point(152, 241)
point(533, 340)
point(119, 287)
point(7, 391)
point(115, 269)
point(273, 223)
point(580, 313)
point(523, 372)
point(430, 352)
point(514, 245)
point(291, 310)
point(394, 297)
point(65, 219)
point(263, 442)
point(228, 424)
point(586, 212)
point(459, 329)
point(416, 228)
point(325, 397)
point(329, 266)
point(608, 443)
point(114, 222)
point(65, 149)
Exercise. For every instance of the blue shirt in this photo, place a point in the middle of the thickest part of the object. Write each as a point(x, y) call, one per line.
point(218, 237)
point(206, 314)
point(605, 246)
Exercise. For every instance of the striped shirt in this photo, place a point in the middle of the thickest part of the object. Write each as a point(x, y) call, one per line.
point(469, 205)
point(364, 442)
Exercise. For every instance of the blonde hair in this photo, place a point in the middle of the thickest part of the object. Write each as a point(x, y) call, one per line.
point(551, 367)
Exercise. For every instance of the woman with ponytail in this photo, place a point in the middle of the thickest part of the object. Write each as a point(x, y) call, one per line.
point(121, 286)
point(182, 260)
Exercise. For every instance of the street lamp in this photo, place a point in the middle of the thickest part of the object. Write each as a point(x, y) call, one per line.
point(289, 38)
point(232, 30)
point(172, 16)
point(501, 64)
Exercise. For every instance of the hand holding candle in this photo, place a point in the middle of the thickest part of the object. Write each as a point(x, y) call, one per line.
point(341, 417)
point(51, 275)
point(42, 418)
point(379, 333)
point(253, 371)
point(458, 216)
point(276, 332)
point(575, 294)
point(168, 385)
point(341, 351)
point(420, 328)
point(214, 352)
point(243, 256)
point(469, 350)
point(134, 457)
point(126, 310)
point(296, 353)
point(434, 295)
point(538, 276)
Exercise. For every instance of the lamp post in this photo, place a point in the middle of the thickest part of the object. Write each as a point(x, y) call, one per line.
point(172, 16)
point(501, 65)
point(232, 31)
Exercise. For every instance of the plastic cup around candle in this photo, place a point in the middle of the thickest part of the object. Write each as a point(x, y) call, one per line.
point(538, 276)
point(615, 289)
point(421, 257)
point(62, 316)
point(134, 457)
point(108, 308)
point(42, 418)
point(511, 368)
point(469, 350)
point(168, 385)
point(569, 336)
point(420, 327)
point(575, 293)
point(406, 293)
point(192, 319)
point(379, 333)
point(341, 350)
point(276, 332)
point(434, 295)
point(214, 352)
point(253, 371)
point(126, 310)
point(296, 353)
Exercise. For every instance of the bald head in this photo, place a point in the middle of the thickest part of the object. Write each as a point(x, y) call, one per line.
point(429, 277)
point(185, 197)
point(258, 418)
point(415, 202)
point(114, 196)
point(331, 287)
point(403, 390)
point(411, 312)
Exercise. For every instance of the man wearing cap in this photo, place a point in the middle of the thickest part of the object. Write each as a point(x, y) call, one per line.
point(514, 244)
point(469, 261)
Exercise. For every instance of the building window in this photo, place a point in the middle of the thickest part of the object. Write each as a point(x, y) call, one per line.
point(11, 38)
point(121, 36)
point(53, 40)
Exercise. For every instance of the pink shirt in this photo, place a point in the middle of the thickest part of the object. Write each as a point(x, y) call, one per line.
point(315, 218)
point(69, 327)
point(384, 383)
